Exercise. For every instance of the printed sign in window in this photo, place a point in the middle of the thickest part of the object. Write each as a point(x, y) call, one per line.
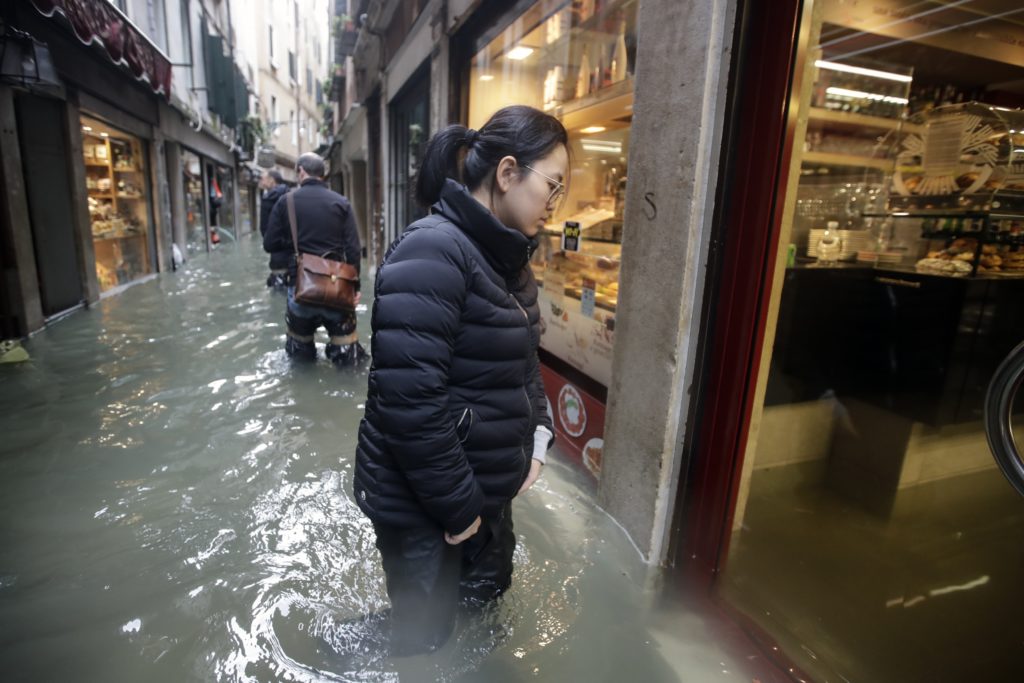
point(571, 236)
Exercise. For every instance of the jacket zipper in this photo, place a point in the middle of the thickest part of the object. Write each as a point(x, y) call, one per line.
point(526, 394)
point(466, 412)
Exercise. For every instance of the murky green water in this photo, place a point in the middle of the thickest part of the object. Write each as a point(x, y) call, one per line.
point(175, 504)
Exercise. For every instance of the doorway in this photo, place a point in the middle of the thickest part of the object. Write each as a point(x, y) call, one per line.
point(44, 157)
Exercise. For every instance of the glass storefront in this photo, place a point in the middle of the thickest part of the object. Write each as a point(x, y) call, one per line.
point(873, 537)
point(246, 202)
point(222, 203)
point(195, 213)
point(575, 61)
point(119, 203)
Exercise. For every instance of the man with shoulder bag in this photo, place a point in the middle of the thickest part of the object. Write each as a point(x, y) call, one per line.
point(318, 225)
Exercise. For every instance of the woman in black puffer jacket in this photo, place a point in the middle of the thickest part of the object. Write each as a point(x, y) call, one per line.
point(456, 419)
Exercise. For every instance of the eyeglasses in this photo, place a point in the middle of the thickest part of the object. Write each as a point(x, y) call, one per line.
point(556, 192)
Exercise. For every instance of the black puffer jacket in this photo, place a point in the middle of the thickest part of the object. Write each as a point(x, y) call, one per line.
point(279, 260)
point(455, 393)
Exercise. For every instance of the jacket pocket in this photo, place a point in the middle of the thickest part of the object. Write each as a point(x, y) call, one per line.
point(464, 425)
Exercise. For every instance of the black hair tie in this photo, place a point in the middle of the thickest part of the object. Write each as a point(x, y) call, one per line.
point(471, 137)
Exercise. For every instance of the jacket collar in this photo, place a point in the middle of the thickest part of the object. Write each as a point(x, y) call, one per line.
point(312, 181)
point(507, 250)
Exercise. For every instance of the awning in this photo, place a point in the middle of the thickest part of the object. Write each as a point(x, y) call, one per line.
point(96, 21)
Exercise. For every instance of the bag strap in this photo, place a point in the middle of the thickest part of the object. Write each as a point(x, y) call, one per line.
point(290, 200)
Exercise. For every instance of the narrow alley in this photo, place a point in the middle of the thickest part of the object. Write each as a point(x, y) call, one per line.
point(177, 505)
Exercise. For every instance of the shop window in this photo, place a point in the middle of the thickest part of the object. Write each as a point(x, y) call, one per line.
point(195, 213)
point(575, 61)
point(873, 536)
point(119, 203)
point(221, 193)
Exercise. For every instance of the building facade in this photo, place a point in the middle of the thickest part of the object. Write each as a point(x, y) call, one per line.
point(289, 47)
point(151, 99)
point(798, 269)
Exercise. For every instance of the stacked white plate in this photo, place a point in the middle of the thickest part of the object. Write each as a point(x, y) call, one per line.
point(851, 242)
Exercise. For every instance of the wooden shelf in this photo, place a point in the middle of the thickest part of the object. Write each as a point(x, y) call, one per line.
point(127, 170)
point(101, 196)
point(588, 28)
point(854, 121)
point(830, 159)
point(129, 196)
point(97, 164)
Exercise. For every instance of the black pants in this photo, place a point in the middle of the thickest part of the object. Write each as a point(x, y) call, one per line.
point(427, 578)
point(302, 321)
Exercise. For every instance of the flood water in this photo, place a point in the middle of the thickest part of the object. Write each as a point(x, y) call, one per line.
point(176, 505)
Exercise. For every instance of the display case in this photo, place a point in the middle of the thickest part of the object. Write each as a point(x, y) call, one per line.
point(965, 157)
point(956, 199)
point(575, 61)
point(118, 201)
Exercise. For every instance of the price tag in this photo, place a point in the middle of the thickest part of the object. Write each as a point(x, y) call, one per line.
point(587, 298)
point(571, 235)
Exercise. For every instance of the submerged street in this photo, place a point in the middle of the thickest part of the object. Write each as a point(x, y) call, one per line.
point(176, 505)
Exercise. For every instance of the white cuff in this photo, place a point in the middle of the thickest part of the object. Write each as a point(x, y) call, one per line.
point(541, 439)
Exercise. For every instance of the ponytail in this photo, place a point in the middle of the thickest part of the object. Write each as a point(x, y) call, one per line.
point(441, 161)
point(470, 156)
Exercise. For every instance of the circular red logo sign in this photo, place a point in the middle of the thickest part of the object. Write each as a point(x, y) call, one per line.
point(571, 412)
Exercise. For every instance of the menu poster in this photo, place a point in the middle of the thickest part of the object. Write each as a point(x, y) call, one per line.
point(571, 236)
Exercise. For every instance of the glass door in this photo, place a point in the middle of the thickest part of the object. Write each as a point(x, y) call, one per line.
point(195, 211)
point(873, 536)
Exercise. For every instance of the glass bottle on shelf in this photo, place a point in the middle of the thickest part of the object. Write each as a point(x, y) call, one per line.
point(619, 54)
point(583, 81)
point(585, 10)
point(598, 69)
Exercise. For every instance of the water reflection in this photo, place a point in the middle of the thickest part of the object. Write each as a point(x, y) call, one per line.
point(176, 504)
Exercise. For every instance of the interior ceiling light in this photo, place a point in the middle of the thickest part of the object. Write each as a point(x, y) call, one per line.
point(106, 135)
point(602, 146)
point(861, 71)
point(589, 130)
point(861, 95)
point(519, 52)
point(487, 77)
point(87, 128)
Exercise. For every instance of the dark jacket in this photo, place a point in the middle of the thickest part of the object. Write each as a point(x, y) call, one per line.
point(325, 224)
point(279, 260)
point(267, 202)
point(455, 393)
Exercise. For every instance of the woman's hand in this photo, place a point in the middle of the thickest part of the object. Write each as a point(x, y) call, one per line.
point(468, 533)
point(535, 466)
